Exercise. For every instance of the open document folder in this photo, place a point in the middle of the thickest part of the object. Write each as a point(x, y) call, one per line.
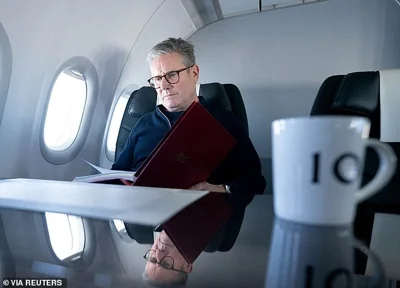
point(141, 205)
point(187, 155)
point(105, 175)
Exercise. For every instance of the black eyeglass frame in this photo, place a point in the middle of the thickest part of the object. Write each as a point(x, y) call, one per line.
point(168, 73)
point(162, 259)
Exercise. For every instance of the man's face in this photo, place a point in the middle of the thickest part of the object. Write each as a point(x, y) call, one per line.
point(163, 248)
point(177, 96)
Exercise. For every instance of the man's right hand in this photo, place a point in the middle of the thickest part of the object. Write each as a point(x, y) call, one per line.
point(205, 186)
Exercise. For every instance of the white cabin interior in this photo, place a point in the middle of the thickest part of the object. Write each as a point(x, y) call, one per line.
point(278, 52)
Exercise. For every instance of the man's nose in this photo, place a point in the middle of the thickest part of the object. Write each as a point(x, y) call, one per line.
point(160, 254)
point(164, 84)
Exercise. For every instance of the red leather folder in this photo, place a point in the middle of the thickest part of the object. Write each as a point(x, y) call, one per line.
point(188, 154)
point(192, 229)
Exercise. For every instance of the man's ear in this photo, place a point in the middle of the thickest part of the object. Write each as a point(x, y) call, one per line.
point(195, 72)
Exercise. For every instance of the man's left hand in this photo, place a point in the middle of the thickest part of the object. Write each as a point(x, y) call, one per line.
point(205, 186)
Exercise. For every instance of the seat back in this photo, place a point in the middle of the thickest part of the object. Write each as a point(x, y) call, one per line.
point(215, 94)
point(237, 104)
point(359, 94)
point(141, 102)
point(323, 103)
point(352, 94)
point(226, 96)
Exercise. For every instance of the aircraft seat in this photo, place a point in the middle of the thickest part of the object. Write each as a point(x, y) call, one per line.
point(143, 101)
point(360, 94)
point(227, 96)
point(237, 104)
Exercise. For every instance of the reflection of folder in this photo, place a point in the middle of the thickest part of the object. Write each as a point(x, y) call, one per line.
point(196, 225)
point(188, 154)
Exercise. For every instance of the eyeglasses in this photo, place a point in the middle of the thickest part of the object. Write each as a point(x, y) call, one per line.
point(166, 262)
point(172, 77)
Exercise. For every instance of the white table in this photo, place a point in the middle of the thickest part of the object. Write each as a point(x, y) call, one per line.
point(141, 205)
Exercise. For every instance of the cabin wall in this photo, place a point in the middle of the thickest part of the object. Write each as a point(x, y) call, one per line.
point(5, 68)
point(43, 35)
point(279, 59)
point(136, 69)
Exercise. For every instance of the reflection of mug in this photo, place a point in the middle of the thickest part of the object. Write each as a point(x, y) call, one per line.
point(318, 164)
point(308, 256)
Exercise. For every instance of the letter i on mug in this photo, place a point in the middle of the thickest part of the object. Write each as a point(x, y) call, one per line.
point(317, 168)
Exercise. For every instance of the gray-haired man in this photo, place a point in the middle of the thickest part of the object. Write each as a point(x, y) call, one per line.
point(174, 76)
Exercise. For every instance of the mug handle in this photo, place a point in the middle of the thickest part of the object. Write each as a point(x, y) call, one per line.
point(380, 278)
point(387, 167)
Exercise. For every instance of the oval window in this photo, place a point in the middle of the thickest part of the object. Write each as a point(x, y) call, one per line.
point(67, 235)
point(115, 124)
point(65, 110)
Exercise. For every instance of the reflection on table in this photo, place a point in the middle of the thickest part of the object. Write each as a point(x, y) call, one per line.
point(100, 250)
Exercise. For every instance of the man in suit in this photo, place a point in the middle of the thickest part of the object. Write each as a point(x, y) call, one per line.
point(174, 76)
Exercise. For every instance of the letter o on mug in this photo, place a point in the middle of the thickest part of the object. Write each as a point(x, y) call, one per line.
point(340, 172)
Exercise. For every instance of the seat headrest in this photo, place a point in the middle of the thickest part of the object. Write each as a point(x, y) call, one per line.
point(358, 93)
point(143, 101)
point(352, 94)
point(326, 95)
point(237, 104)
point(215, 94)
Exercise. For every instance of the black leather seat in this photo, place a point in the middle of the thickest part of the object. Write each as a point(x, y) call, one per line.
point(237, 104)
point(143, 101)
point(227, 96)
point(358, 94)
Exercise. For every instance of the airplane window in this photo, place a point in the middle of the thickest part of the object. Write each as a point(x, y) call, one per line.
point(65, 110)
point(67, 235)
point(116, 123)
point(71, 101)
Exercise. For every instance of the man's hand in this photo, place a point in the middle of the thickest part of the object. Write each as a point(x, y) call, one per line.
point(205, 186)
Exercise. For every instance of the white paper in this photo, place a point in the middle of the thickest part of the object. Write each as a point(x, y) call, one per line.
point(105, 171)
point(105, 174)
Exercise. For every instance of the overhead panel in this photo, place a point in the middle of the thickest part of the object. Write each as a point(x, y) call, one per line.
point(202, 12)
point(237, 7)
point(275, 4)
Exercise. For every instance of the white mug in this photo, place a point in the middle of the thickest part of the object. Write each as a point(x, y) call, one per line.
point(317, 168)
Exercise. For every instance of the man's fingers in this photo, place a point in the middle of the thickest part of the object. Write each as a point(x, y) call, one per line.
point(198, 186)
